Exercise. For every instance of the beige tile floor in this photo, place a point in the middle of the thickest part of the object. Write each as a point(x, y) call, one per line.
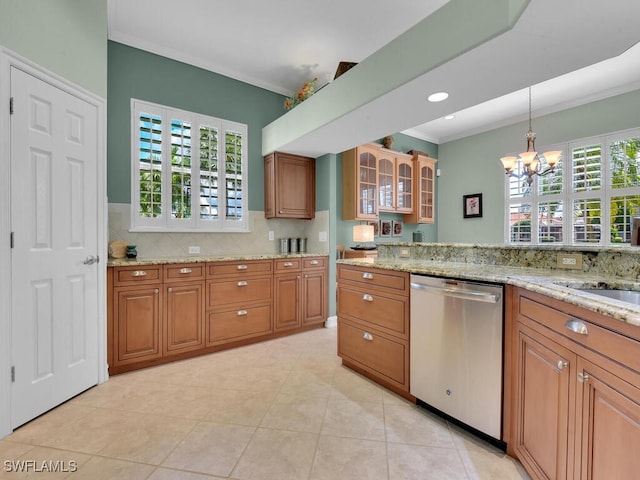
point(282, 409)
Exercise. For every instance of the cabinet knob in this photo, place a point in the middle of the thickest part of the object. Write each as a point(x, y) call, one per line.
point(367, 336)
point(583, 377)
point(242, 267)
point(367, 276)
point(367, 298)
point(156, 291)
point(242, 283)
point(241, 313)
point(170, 290)
point(185, 270)
point(139, 273)
point(562, 364)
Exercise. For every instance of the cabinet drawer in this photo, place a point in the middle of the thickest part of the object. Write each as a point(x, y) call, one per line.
point(384, 312)
point(285, 265)
point(606, 342)
point(137, 274)
point(237, 324)
point(394, 281)
point(187, 271)
point(315, 262)
point(241, 291)
point(249, 267)
point(375, 352)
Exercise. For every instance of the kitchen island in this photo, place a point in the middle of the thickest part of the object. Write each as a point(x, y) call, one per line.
point(571, 403)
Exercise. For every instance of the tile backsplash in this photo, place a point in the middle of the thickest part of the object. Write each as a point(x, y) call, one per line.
point(169, 244)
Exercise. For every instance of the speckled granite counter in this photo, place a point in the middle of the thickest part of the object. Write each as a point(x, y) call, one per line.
point(124, 262)
point(464, 264)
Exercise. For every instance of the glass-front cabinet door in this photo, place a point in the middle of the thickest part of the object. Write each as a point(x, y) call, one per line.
point(424, 194)
point(367, 186)
point(386, 182)
point(404, 182)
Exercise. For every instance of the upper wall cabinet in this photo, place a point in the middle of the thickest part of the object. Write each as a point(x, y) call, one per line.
point(424, 174)
point(289, 186)
point(360, 183)
point(395, 182)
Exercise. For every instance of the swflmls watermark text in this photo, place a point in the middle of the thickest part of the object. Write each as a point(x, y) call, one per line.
point(40, 466)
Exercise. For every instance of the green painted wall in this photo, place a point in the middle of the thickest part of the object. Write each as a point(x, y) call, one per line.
point(344, 229)
point(67, 37)
point(133, 73)
point(472, 164)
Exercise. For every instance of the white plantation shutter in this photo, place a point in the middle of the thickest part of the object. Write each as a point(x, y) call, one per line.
point(180, 170)
point(590, 199)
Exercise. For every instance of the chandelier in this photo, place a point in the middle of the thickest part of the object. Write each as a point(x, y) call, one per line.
point(531, 162)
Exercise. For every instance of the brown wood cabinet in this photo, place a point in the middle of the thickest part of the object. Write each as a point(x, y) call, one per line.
point(360, 183)
point(137, 314)
point(373, 324)
point(300, 292)
point(289, 186)
point(161, 313)
point(183, 308)
point(572, 401)
point(395, 182)
point(239, 303)
point(424, 174)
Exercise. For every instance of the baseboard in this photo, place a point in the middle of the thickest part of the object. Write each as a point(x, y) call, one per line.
point(331, 322)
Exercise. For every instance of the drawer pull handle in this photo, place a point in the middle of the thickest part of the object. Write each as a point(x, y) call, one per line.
point(242, 283)
point(367, 276)
point(367, 336)
point(314, 262)
point(139, 273)
point(583, 377)
point(242, 267)
point(562, 364)
point(241, 313)
point(576, 326)
point(288, 264)
point(185, 270)
point(367, 298)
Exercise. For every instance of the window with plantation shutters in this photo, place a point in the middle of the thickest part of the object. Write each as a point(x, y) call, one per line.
point(189, 171)
point(590, 198)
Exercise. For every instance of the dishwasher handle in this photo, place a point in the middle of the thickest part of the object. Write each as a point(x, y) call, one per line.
point(477, 296)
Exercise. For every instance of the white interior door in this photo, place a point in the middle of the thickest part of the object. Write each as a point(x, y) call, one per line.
point(54, 303)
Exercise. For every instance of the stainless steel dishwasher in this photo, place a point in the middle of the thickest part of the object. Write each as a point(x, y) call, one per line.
point(456, 351)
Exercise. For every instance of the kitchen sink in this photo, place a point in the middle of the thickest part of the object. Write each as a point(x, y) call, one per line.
point(629, 296)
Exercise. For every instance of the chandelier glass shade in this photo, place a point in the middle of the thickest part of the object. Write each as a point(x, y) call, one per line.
point(530, 160)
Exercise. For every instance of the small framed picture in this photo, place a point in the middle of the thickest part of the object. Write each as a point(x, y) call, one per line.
point(397, 228)
point(385, 228)
point(472, 205)
point(376, 228)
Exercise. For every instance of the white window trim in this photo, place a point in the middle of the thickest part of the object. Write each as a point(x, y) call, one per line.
point(165, 223)
point(568, 196)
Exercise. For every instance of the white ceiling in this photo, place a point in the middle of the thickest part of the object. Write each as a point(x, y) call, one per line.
point(280, 44)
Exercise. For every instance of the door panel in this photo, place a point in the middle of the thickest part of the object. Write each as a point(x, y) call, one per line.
point(53, 216)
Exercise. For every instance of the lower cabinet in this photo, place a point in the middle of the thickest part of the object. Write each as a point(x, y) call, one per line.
point(160, 313)
point(573, 392)
point(137, 327)
point(373, 324)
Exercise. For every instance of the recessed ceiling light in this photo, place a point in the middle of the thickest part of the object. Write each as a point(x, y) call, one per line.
point(438, 97)
point(449, 117)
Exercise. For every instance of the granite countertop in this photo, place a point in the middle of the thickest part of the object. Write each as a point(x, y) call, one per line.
point(125, 262)
point(559, 284)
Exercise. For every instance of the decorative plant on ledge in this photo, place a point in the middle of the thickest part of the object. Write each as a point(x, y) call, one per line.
point(305, 92)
